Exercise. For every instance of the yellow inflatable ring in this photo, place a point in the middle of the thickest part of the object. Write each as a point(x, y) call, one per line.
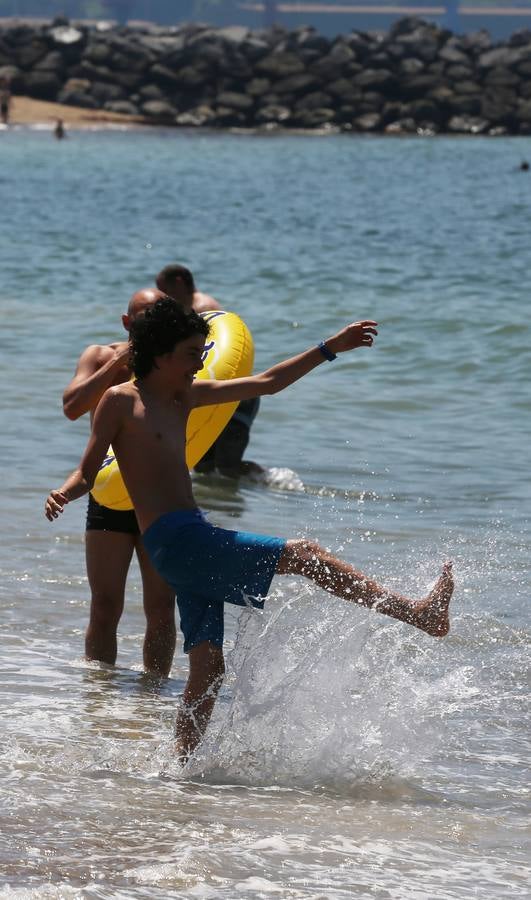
point(229, 353)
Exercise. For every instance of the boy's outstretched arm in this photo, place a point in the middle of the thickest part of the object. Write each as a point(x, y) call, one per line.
point(105, 427)
point(357, 334)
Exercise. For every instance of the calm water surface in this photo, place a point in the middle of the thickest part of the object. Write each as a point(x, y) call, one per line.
point(348, 756)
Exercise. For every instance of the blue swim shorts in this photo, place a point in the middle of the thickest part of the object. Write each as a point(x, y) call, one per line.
point(209, 566)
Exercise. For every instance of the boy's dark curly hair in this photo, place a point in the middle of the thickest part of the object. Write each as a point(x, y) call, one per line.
point(158, 330)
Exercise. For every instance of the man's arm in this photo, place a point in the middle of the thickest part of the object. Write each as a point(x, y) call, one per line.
point(96, 370)
point(106, 425)
point(275, 379)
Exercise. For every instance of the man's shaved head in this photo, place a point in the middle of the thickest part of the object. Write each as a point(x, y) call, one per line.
point(142, 300)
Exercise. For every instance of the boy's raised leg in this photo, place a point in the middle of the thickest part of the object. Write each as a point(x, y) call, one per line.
point(430, 614)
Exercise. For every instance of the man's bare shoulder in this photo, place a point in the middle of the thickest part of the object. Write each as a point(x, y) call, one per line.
point(204, 302)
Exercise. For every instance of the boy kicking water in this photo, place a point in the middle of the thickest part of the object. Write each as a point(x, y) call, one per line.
point(145, 421)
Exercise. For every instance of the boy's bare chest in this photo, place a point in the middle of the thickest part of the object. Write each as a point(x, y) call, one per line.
point(165, 426)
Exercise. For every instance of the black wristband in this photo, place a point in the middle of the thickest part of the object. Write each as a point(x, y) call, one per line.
point(327, 353)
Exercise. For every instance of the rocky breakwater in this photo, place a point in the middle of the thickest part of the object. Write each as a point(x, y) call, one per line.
point(417, 78)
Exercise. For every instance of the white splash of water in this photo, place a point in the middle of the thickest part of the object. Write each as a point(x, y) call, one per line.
point(324, 693)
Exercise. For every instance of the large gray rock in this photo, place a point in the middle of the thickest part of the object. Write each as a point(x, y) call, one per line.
point(105, 93)
point(295, 84)
point(374, 78)
point(506, 57)
point(51, 62)
point(368, 122)
point(280, 65)
point(160, 110)
point(27, 55)
point(42, 85)
point(196, 117)
point(124, 107)
point(316, 100)
point(272, 113)
point(258, 86)
point(468, 125)
point(234, 101)
point(314, 118)
point(502, 77)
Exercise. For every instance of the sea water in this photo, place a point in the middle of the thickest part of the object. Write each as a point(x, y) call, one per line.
point(348, 756)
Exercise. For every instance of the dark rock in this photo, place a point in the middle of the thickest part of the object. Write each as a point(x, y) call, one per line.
point(77, 98)
point(501, 76)
point(258, 86)
point(417, 86)
point(29, 54)
point(43, 85)
point(280, 65)
point(295, 84)
point(99, 53)
point(234, 101)
point(151, 92)
point(105, 93)
point(368, 122)
point(523, 110)
point(505, 57)
point(402, 126)
point(229, 118)
point(410, 67)
point(314, 118)
point(125, 107)
point(196, 117)
point(344, 89)
point(521, 38)
point(467, 125)
point(524, 68)
point(160, 110)
point(52, 62)
point(317, 100)
point(459, 73)
point(465, 104)
point(371, 102)
point(164, 76)
point(467, 87)
point(273, 113)
point(498, 106)
point(191, 76)
point(374, 78)
point(452, 54)
point(477, 42)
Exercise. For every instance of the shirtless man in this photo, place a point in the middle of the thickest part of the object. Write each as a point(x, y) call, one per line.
point(145, 421)
point(226, 453)
point(112, 536)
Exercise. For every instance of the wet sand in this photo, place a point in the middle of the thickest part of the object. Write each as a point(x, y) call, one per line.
point(27, 111)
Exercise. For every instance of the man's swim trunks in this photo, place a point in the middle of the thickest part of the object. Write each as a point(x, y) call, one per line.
point(209, 566)
point(101, 518)
point(227, 450)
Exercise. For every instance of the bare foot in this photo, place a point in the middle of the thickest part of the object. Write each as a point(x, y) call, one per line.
point(431, 614)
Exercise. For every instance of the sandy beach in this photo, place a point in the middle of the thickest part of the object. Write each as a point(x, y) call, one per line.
point(27, 111)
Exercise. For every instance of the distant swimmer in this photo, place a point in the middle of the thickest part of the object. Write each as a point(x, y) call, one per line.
point(59, 130)
point(145, 421)
point(226, 453)
point(5, 100)
point(524, 166)
point(113, 536)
